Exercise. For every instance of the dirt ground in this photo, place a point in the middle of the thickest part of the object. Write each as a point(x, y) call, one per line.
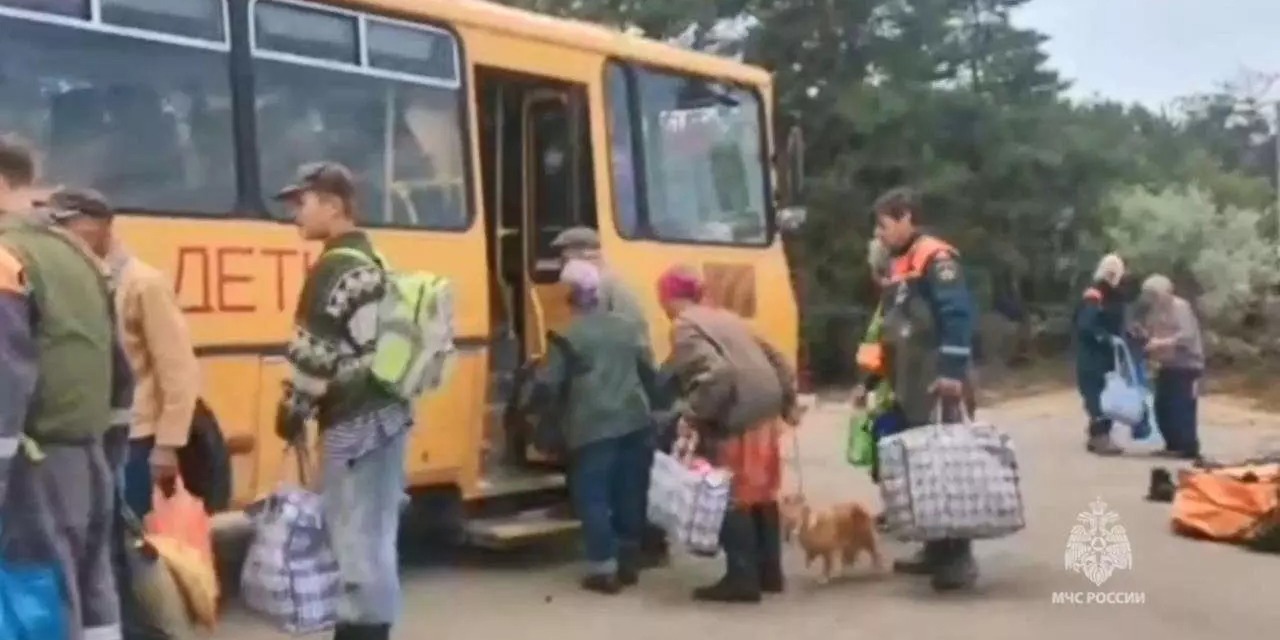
point(1188, 590)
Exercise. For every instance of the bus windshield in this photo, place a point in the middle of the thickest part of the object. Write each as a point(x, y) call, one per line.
point(704, 160)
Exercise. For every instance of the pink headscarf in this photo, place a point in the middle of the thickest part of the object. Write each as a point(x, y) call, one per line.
point(680, 282)
point(583, 279)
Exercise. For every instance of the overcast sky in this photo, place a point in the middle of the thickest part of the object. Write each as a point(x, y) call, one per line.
point(1153, 51)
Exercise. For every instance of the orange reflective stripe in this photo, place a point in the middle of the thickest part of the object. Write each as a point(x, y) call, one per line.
point(12, 279)
point(912, 263)
point(871, 357)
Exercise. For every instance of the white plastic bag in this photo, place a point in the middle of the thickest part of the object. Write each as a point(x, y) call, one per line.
point(689, 503)
point(1122, 399)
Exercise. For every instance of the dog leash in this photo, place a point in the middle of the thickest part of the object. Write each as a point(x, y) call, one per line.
point(796, 467)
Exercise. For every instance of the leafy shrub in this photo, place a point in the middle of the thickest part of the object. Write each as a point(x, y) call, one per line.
point(1183, 233)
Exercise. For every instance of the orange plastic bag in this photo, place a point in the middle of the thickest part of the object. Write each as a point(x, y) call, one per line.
point(182, 534)
point(181, 517)
point(870, 357)
point(1225, 504)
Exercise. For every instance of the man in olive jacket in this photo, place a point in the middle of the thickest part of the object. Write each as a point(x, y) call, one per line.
point(60, 376)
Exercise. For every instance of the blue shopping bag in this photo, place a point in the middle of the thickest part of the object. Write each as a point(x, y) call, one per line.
point(31, 602)
point(1140, 430)
point(1145, 430)
point(887, 424)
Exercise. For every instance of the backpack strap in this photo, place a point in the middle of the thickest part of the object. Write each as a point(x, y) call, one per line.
point(376, 259)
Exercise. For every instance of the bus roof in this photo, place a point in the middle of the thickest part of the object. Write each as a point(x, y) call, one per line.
point(572, 33)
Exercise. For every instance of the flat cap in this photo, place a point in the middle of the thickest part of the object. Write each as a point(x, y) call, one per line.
point(577, 238)
point(67, 203)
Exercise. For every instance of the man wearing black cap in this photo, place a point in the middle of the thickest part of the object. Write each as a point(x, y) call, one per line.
point(363, 427)
point(156, 342)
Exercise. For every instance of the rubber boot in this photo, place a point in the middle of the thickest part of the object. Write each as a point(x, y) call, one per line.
point(768, 521)
point(956, 567)
point(654, 550)
point(1162, 487)
point(741, 582)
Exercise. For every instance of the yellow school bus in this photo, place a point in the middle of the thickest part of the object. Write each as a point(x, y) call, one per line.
point(478, 133)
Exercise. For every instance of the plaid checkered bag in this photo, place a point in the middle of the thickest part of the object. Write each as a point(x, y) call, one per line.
point(950, 481)
point(687, 502)
point(291, 575)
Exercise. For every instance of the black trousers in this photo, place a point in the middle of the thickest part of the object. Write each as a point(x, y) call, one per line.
point(1177, 406)
point(752, 541)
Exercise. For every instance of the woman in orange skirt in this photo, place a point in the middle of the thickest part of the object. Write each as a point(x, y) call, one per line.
point(735, 389)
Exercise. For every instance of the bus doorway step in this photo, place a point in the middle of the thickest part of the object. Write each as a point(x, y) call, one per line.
point(521, 529)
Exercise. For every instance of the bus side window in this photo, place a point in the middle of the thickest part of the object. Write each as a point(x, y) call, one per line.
point(622, 154)
point(138, 120)
point(117, 111)
point(73, 149)
point(393, 116)
point(68, 8)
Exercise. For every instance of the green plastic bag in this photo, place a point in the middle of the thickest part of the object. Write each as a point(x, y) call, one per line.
point(860, 450)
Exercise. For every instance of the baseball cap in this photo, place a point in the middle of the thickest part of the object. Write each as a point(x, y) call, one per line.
point(577, 238)
point(324, 177)
point(67, 203)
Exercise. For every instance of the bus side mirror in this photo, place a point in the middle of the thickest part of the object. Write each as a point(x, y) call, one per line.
point(791, 210)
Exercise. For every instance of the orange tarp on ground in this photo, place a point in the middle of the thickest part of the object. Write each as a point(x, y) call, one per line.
point(1225, 504)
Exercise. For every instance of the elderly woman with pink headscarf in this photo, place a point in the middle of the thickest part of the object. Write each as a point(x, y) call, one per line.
point(736, 390)
point(597, 378)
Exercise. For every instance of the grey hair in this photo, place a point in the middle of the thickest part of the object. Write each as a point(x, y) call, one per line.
point(1158, 285)
point(1110, 269)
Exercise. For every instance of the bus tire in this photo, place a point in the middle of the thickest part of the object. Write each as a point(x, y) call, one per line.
point(205, 461)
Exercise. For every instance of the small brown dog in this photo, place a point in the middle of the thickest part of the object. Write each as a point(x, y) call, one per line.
point(837, 535)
